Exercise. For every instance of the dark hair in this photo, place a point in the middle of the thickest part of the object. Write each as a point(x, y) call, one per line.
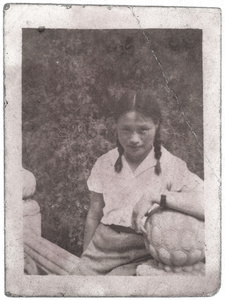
point(144, 103)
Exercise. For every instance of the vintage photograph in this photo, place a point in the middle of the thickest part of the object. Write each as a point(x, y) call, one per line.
point(115, 163)
point(98, 100)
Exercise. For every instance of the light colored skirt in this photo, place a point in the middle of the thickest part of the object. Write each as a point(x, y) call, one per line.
point(113, 253)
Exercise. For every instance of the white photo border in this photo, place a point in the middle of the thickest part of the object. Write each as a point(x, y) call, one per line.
point(18, 16)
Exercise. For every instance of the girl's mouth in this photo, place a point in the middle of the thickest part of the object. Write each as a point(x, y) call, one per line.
point(134, 147)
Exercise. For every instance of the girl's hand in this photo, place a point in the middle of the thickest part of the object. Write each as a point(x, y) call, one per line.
point(139, 211)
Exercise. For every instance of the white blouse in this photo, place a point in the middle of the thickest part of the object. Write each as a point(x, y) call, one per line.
point(121, 191)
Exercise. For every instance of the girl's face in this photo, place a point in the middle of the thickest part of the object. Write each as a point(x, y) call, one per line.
point(136, 135)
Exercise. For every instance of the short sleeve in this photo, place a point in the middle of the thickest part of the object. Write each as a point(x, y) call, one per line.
point(184, 180)
point(95, 180)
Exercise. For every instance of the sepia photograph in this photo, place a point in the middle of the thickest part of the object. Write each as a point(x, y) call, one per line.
point(112, 126)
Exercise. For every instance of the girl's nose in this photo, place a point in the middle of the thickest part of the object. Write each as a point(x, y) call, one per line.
point(134, 138)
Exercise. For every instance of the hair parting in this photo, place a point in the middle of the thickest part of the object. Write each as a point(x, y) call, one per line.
point(134, 101)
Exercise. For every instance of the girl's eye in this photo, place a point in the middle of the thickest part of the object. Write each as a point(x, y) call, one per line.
point(126, 129)
point(144, 130)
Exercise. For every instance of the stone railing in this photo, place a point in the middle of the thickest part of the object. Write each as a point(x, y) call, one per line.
point(41, 257)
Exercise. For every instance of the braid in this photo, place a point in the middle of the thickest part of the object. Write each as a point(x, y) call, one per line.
point(119, 165)
point(157, 150)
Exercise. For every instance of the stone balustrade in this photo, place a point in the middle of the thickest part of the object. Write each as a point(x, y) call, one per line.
point(40, 255)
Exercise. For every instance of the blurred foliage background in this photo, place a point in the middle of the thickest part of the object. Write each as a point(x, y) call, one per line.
point(70, 82)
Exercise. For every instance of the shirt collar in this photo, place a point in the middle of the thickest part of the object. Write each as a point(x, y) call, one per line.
point(146, 164)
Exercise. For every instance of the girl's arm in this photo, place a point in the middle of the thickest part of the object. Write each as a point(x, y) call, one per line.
point(185, 193)
point(186, 202)
point(94, 216)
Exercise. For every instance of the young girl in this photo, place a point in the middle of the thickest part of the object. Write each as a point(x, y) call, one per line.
point(126, 182)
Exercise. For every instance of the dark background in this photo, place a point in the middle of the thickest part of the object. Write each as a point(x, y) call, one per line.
point(70, 81)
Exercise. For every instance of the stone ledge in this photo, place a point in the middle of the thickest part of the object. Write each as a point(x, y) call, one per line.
point(151, 268)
